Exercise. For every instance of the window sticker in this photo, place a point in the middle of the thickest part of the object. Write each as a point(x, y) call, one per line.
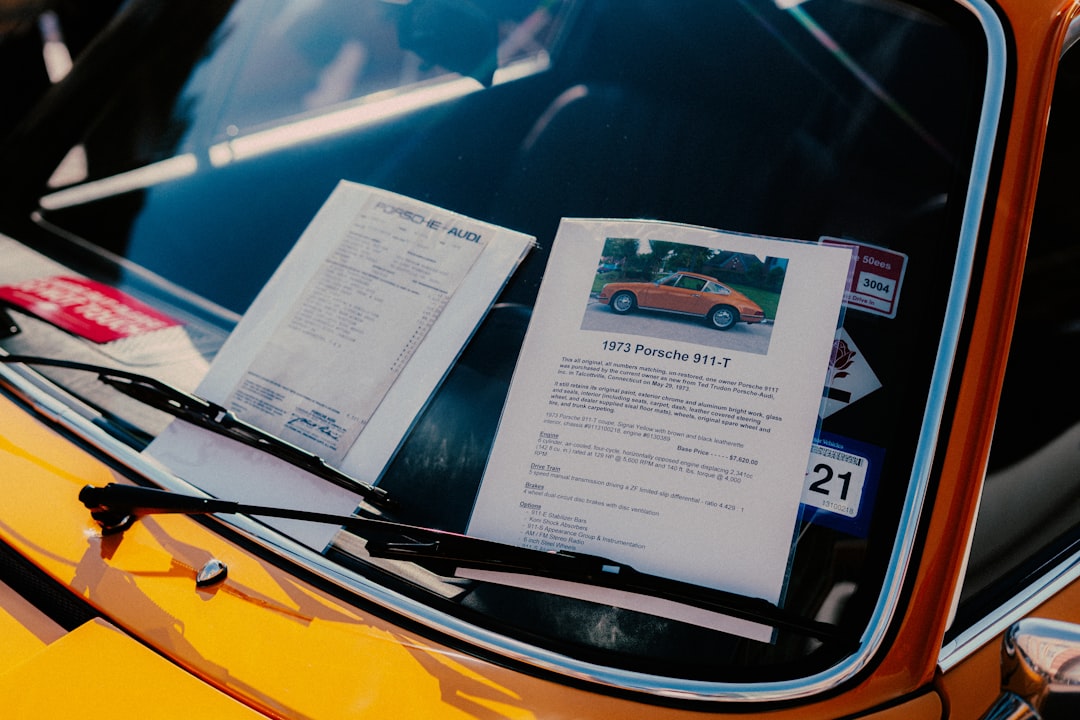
point(322, 358)
point(88, 309)
point(841, 482)
point(850, 376)
point(668, 405)
point(877, 274)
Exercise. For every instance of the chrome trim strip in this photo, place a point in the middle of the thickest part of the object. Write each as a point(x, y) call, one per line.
point(801, 688)
point(1072, 36)
point(1019, 606)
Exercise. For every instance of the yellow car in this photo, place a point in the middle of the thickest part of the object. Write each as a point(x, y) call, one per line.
point(686, 293)
point(156, 184)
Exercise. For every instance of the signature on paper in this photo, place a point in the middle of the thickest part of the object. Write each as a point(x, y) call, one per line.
point(306, 426)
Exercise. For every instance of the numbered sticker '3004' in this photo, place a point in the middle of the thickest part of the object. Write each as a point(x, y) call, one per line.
point(841, 480)
point(876, 276)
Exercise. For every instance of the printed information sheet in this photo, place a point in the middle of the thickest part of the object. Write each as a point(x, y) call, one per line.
point(344, 345)
point(665, 420)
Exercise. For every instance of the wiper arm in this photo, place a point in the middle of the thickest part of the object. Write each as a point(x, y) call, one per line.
point(216, 418)
point(116, 507)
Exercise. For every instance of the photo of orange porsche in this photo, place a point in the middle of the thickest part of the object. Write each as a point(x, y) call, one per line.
point(687, 293)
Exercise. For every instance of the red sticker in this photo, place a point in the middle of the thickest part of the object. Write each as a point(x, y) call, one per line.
point(89, 309)
point(877, 274)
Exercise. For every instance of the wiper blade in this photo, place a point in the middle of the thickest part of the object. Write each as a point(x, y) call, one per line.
point(211, 416)
point(603, 572)
point(116, 507)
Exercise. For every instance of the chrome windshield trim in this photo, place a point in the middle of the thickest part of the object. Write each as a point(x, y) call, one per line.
point(990, 627)
point(1072, 36)
point(900, 558)
point(658, 686)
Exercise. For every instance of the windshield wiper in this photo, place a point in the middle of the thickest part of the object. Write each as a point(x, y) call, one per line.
point(116, 507)
point(216, 418)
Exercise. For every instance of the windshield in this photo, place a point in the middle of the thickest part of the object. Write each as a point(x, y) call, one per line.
point(186, 179)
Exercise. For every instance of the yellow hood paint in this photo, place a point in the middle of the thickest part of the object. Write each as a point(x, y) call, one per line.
point(98, 671)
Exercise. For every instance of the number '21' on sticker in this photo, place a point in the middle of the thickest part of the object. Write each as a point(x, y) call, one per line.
point(841, 480)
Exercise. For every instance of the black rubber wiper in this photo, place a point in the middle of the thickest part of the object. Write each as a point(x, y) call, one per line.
point(116, 507)
point(211, 416)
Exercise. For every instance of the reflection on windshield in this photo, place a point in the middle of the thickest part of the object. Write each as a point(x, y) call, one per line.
point(307, 59)
point(832, 119)
point(868, 80)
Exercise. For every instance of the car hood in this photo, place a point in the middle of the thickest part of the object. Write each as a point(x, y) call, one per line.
point(263, 636)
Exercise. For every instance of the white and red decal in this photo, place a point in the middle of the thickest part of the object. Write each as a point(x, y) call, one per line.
point(86, 308)
point(876, 277)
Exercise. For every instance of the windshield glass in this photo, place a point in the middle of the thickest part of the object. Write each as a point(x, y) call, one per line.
point(189, 176)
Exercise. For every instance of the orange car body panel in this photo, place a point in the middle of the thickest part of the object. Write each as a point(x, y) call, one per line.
point(1037, 31)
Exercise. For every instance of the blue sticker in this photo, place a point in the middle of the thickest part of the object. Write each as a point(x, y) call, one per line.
point(841, 482)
